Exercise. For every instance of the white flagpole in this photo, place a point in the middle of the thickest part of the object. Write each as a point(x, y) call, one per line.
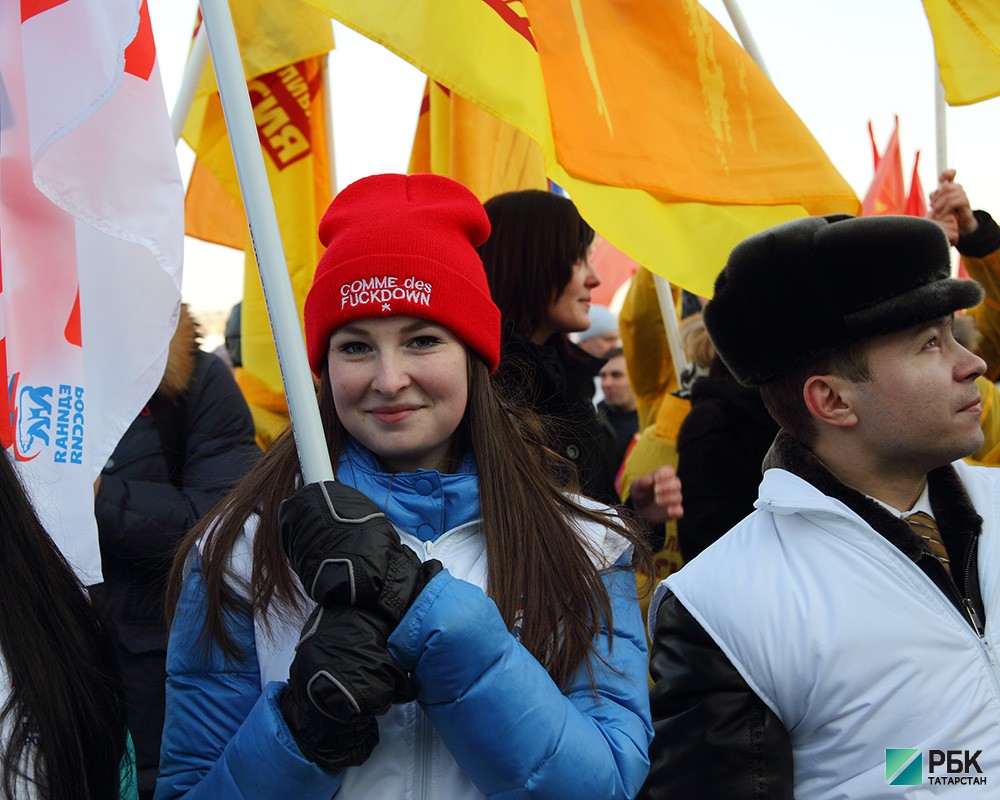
point(746, 37)
point(310, 439)
point(940, 122)
point(670, 323)
point(189, 83)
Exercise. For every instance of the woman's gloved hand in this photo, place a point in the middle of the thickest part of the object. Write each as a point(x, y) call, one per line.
point(341, 679)
point(346, 552)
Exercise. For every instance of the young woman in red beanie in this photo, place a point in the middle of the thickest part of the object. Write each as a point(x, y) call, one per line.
point(445, 620)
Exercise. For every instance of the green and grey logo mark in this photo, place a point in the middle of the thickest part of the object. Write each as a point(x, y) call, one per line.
point(904, 767)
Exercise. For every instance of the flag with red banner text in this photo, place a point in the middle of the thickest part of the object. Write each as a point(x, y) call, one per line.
point(91, 244)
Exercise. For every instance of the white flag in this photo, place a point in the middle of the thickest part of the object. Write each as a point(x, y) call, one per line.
point(91, 243)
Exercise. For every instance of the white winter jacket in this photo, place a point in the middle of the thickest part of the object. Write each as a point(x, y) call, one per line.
point(850, 643)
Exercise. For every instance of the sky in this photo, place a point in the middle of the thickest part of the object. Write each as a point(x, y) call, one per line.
point(838, 65)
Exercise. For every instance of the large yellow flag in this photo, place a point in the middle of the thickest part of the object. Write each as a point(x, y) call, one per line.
point(458, 139)
point(670, 140)
point(282, 45)
point(967, 46)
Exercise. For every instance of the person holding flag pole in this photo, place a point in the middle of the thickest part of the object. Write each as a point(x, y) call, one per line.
point(447, 565)
point(309, 614)
point(324, 608)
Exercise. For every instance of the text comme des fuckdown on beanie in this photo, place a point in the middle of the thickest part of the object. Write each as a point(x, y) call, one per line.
point(403, 245)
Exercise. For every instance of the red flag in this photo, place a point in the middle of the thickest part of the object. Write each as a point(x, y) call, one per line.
point(615, 269)
point(91, 242)
point(916, 202)
point(886, 194)
point(875, 155)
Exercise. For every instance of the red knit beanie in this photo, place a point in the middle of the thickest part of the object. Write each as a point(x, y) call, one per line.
point(403, 245)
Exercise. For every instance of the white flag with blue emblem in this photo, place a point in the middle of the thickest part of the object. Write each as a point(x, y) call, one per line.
point(91, 243)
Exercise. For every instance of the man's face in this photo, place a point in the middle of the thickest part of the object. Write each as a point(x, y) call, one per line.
point(615, 385)
point(921, 408)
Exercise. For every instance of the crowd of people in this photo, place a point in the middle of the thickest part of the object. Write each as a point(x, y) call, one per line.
point(548, 567)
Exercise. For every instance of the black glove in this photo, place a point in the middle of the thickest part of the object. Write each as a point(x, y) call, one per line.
point(341, 679)
point(345, 551)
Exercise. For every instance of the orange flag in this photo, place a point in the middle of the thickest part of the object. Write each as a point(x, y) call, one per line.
point(669, 139)
point(457, 138)
point(886, 194)
point(967, 47)
point(282, 46)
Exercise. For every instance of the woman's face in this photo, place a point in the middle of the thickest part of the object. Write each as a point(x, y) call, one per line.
point(570, 311)
point(400, 386)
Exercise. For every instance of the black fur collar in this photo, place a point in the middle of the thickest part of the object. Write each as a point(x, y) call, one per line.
point(953, 511)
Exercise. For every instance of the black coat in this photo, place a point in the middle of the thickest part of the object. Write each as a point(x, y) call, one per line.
point(720, 447)
point(143, 511)
point(187, 448)
point(556, 380)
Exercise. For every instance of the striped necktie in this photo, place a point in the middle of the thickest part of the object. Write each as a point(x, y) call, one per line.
point(926, 528)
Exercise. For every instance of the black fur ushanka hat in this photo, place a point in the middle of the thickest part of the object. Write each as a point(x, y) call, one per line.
point(796, 292)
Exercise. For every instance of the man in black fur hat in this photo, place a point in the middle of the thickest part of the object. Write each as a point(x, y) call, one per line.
point(837, 643)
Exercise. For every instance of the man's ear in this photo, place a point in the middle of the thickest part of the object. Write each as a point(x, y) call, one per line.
point(828, 399)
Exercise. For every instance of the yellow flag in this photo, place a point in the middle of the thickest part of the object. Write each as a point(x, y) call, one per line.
point(458, 139)
point(967, 46)
point(668, 138)
point(281, 45)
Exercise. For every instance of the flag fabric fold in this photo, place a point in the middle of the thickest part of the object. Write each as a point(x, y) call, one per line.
point(966, 37)
point(667, 136)
point(458, 139)
point(91, 245)
point(283, 46)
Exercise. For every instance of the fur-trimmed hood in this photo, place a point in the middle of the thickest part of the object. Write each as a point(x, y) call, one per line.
point(181, 358)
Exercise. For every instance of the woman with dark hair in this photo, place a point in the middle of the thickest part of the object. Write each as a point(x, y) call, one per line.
point(538, 264)
point(446, 620)
point(539, 268)
point(63, 733)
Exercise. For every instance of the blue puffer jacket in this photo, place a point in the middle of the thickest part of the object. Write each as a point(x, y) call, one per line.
point(489, 721)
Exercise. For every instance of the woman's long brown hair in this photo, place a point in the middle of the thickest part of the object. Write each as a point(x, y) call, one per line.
point(538, 563)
